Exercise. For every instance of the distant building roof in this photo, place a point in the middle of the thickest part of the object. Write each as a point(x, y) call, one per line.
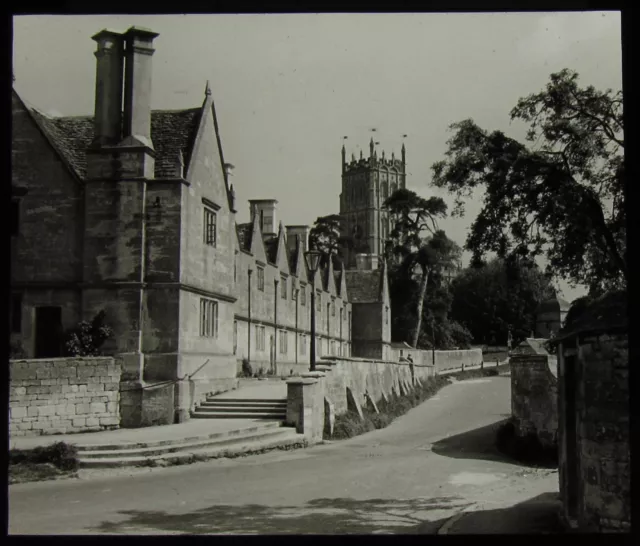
point(553, 305)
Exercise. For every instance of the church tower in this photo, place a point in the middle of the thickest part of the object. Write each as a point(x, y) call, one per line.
point(366, 184)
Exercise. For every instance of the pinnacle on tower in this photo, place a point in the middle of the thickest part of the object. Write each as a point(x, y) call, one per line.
point(371, 147)
point(207, 89)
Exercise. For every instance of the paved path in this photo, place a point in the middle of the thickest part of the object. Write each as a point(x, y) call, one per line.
point(408, 478)
point(249, 389)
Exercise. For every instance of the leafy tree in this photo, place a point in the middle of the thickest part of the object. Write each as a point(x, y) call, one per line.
point(325, 236)
point(412, 215)
point(87, 338)
point(501, 296)
point(559, 195)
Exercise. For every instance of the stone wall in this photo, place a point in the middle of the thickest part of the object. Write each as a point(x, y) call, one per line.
point(444, 360)
point(368, 378)
point(534, 397)
point(600, 456)
point(63, 395)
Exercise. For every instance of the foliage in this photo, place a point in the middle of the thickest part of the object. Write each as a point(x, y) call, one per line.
point(87, 338)
point(502, 295)
point(59, 454)
point(560, 195)
point(349, 424)
point(326, 236)
point(247, 370)
point(16, 351)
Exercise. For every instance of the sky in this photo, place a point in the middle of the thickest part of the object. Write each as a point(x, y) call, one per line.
point(289, 87)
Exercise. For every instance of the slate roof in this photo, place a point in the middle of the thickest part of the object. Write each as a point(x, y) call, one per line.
point(245, 232)
point(364, 286)
point(172, 132)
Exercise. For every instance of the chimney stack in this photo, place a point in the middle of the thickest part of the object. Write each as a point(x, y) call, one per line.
point(137, 86)
point(108, 100)
point(266, 209)
point(293, 232)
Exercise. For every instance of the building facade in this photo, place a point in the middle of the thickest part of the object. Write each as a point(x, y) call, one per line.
point(131, 211)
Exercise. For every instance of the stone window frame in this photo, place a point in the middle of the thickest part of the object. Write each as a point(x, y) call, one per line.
point(260, 337)
point(283, 287)
point(210, 227)
point(303, 292)
point(284, 342)
point(333, 307)
point(318, 301)
point(386, 314)
point(303, 344)
point(260, 278)
point(209, 320)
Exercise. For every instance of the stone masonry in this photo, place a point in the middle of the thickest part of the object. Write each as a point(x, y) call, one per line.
point(59, 396)
point(534, 397)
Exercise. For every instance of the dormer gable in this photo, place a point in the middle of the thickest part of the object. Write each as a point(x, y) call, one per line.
point(257, 245)
point(281, 259)
point(330, 284)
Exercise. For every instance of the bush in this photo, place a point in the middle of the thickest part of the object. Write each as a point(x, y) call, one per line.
point(87, 338)
point(349, 424)
point(16, 351)
point(247, 370)
point(60, 455)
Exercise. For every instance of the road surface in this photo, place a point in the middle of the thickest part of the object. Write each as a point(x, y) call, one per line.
point(428, 465)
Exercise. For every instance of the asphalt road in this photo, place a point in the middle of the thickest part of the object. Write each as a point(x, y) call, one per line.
point(408, 478)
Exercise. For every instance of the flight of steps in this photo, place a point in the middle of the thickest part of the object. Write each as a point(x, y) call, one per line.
point(242, 408)
point(252, 438)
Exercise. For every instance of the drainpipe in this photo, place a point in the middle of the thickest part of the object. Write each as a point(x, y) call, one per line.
point(275, 324)
point(297, 335)
point(249, 322)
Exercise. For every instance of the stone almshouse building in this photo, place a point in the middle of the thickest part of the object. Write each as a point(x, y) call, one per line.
point(131, 211)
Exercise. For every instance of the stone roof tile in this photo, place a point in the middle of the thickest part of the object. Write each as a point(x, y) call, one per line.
point(172, 132)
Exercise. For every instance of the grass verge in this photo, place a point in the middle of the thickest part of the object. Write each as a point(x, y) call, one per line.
point(525, 449)
point(58, 460)
point(349, 424)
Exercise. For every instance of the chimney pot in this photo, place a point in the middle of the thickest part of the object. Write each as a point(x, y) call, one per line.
point(108, 97)
point(137, 88)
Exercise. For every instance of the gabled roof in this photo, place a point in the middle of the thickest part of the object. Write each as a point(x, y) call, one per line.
point(172, 132)
point(364, 286)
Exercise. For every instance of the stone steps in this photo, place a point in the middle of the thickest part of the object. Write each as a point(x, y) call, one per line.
point(252, 439)
point(242, 408)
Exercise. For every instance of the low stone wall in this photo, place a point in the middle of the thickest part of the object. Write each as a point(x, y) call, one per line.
point(534, 397)
point(63, 395)
point(376, 379)
point(442, 360)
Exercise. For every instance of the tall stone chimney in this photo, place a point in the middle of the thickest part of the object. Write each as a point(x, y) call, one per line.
point(293, 232)
point(109, 76)
point(266, 211)
point(137, 87)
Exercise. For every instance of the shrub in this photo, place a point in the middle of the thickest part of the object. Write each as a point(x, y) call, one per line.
point(87, 337)
point(247, 370)
point(16, 350)
point(60, 455)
